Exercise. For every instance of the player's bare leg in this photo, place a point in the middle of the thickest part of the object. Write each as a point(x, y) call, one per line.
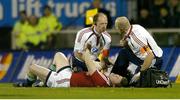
point(60, 60)
point(34, 72)
point(40, 71)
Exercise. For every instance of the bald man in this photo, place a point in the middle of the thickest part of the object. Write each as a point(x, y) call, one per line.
point(139, 48)
point(96, 39)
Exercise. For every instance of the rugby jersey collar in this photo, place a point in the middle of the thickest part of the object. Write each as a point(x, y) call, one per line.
point(97, 34)
point(128, 33)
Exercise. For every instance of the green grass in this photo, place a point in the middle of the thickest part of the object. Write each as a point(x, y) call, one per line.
point(7, 91)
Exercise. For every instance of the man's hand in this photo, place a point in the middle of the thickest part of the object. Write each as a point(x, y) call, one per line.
point(135, 78)
point(86, 53)
point(88, 46)
point(123, 43)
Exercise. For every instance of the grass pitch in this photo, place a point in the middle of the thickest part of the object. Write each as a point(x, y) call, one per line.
point(7, 91)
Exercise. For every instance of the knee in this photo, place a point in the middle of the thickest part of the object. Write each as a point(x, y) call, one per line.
point(32, 67)
point(59, 55)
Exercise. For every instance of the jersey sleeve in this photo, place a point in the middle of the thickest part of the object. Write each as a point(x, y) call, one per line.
point(79, 42)
point(142, 39)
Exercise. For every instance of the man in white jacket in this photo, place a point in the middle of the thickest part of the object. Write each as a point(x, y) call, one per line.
point(139, 48)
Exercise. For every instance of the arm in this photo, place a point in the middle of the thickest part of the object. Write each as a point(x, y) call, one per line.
point(104, 54)
point(144, 38)
point(148, 60)
point(144, 66)
point(103, 57)
point(91, 64)
point(123, 43)
point(80, 44)
point(105, 61)
point(79, 55)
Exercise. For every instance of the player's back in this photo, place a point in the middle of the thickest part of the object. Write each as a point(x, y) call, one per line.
point(81, 79)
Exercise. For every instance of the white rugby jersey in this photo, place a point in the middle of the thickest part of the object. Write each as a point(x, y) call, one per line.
point(139, 38)
point(91, 37)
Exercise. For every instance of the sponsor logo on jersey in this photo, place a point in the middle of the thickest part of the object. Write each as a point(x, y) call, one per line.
point(94, 50)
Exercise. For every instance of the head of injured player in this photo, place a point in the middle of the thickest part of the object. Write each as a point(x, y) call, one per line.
point(117, 80)
point(100, 22)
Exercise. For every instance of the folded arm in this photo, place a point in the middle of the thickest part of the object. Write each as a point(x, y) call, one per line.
point(92, 65)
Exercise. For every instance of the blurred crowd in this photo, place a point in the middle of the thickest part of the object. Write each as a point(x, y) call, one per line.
point(159, 13)
point(34, 33)
point(31, 32)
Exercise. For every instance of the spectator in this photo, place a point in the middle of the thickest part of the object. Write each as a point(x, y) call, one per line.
point(144, 4)
point(159, 13)
point(18, 34)
point(164, 18)
point(32, 33)
point(174, 12)
point(97, 4)
point(50, 24)
point(145, 18)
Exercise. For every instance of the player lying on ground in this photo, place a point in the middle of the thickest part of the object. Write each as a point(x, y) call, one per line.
point(64, 76)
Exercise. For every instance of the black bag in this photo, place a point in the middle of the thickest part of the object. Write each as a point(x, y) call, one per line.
point(154, 78)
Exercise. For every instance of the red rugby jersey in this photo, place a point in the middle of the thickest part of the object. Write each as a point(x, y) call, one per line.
point(80, 79)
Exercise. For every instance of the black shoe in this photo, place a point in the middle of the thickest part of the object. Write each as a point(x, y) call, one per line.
point(21, 84)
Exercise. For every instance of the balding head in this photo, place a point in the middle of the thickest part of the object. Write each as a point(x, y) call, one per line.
point(100, 22)
point(122, 23)
point(99, 16)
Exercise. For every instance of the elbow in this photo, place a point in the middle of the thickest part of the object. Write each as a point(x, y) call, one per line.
point(150, 55)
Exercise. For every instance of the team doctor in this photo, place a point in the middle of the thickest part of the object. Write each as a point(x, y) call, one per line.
point(96, 38)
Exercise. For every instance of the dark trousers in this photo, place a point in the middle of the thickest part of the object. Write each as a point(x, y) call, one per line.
point(78, 65)
point(124, 57)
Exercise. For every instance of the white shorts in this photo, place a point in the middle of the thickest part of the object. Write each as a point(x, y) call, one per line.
point(60, 78)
